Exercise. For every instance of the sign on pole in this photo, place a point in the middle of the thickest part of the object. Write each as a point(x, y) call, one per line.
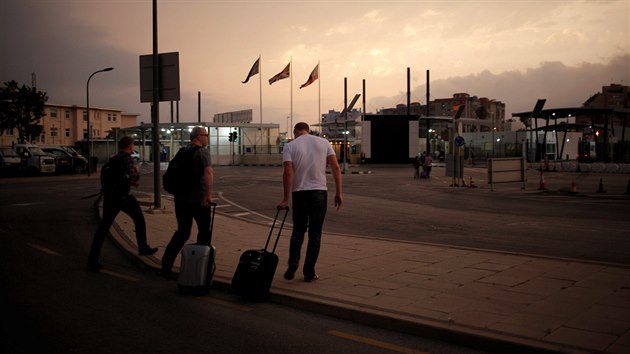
point(169, 77)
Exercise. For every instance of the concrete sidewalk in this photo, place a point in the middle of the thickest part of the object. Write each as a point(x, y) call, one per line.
point(504, 302)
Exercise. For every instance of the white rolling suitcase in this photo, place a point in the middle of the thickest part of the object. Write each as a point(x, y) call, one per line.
point(197, 265)
point(197, 269)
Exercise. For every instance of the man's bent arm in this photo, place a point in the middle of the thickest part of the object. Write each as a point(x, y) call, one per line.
point(208, 177)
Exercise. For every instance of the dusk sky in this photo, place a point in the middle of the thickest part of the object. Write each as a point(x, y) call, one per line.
point(511, 51)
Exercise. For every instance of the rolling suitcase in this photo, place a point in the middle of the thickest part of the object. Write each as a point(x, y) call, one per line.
point(256, 268)
point(197, 265)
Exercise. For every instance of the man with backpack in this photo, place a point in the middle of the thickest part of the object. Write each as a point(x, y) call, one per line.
point(189, 178)
point(117, 177)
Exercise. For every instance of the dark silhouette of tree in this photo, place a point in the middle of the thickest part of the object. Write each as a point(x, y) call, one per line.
point(21, 108)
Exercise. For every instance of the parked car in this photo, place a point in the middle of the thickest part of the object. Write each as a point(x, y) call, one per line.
point(10, 161)
point(34, 159)
point(68, 160)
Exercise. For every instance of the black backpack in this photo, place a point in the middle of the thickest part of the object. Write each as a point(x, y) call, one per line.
point(114, 177)
point(180, 176)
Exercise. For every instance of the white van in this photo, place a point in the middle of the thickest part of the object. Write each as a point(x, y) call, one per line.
point(34, 159)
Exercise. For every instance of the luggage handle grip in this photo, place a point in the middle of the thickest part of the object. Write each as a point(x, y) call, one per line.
point(213, 208)
point(273, 225)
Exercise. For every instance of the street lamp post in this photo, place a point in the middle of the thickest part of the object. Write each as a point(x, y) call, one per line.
point(89, 129)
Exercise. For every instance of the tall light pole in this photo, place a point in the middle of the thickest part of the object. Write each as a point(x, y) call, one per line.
point(89, 129)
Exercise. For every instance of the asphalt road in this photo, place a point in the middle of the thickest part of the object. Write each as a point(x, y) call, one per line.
point(51, 303)
point(390, 204)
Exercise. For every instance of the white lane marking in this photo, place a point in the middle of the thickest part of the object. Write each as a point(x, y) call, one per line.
point(25, 204)
point(43, 249)
point(119, 275)
point(375, 343)
point(241, 214)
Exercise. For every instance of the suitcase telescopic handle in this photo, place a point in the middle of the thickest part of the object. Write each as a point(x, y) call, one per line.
point(213, 209)
point(273, 225)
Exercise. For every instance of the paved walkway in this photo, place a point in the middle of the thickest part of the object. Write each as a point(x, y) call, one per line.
point(456, 294)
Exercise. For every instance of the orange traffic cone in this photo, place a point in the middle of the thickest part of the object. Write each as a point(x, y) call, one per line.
point(573, 189)
point(601, 186)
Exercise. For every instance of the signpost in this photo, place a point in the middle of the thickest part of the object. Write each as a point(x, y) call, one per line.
point(159, 81)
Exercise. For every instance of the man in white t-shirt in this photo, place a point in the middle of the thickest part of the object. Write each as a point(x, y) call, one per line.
point(304, 179)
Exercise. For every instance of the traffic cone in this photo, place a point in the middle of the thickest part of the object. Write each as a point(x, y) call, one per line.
point(601, 186)
point(541, 186)
point(471, 184)
point(573, 189)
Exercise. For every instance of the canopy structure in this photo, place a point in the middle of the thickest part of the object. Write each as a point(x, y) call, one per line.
point(598, 118)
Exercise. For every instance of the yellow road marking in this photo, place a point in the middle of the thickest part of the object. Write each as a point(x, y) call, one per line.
point(375, 343)
point(43, 249)
point(227, 304)
point(118, 275)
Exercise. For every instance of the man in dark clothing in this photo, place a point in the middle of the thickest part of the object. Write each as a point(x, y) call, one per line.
point(117, 198)
point(192, 201)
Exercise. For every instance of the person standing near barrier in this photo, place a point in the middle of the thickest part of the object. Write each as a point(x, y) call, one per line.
point(192, 199)
point(428, 161)
point(304, 179)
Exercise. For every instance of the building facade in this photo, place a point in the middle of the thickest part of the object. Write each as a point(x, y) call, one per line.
point(244, 116)
point(67, 124)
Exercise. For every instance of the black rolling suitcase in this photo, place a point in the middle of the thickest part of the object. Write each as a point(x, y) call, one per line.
point(256, 268)
point(197, 265)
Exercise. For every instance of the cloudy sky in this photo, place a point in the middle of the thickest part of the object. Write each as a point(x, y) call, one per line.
point(514, 51)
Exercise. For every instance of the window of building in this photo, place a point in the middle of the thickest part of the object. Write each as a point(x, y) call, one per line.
point(97, 115)
point(53, 113)
point(8, 131)
point(53, 131)
point(85, 115)
point(68, 114)
point(85, 134)
point(67, 132)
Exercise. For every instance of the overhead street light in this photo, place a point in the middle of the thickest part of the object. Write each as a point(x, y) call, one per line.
point(89, 129)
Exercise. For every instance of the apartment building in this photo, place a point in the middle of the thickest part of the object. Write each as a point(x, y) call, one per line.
point(67, 124)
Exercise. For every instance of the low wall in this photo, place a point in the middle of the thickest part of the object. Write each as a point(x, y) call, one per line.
point(261, 159)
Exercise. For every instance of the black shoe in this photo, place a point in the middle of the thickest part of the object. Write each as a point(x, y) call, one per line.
point(311, 279)
point(147, 251)
point(290, 273)
point(94, 267)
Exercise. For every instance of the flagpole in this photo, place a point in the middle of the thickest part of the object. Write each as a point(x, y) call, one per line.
point(260, 91)
point(319, 97)
point(291, 75)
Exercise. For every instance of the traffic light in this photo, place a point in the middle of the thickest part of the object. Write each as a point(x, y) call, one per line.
point(235, 136)
point(231, 137)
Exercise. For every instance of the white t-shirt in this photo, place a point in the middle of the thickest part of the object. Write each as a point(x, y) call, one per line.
point(309, 155)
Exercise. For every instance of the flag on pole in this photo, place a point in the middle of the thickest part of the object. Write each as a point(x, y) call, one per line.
point(254, 70)
point(314, 76)
point(282, 75)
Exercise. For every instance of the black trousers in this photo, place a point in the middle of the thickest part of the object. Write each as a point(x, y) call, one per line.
point(186, 212)
point(112, 205)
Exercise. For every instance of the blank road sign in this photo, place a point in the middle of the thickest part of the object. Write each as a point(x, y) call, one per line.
point(169, 77)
